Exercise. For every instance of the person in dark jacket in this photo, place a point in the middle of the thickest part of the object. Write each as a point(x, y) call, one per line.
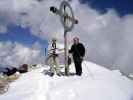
point(78, 52)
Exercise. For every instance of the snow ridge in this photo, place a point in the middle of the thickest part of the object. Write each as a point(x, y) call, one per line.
point(105, 85)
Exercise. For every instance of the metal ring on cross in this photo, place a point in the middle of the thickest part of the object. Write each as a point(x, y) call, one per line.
point(67, 16)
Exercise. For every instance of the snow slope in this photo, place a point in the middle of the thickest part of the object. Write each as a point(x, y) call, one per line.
point(96, 83)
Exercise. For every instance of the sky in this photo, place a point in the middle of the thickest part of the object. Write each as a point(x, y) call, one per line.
point(122, 7)
point(21, 35)
point(106, 27)
point(24, 36)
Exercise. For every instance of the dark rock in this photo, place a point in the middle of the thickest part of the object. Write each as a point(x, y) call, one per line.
point(23, 68)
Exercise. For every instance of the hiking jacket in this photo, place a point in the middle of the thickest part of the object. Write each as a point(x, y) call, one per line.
point(77, 50)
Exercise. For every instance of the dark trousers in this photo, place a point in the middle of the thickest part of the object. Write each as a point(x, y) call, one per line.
point(78, 66)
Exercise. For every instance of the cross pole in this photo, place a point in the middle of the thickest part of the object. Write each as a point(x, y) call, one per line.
point(65, 19)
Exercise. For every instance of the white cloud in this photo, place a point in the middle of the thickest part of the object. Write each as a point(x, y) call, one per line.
point(107, 37)
point(16, 54)
point(7, 15)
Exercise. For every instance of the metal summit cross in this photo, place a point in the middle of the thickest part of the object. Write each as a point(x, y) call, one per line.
point(68, 20)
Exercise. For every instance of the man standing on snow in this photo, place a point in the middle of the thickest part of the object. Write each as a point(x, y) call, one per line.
point(78, 52)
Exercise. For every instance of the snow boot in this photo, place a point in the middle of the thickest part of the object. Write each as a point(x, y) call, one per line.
point(51, 74)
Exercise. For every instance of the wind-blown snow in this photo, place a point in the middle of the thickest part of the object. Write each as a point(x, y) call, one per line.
point(96, 83)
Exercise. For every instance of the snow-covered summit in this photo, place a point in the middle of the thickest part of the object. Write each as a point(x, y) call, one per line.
point(96, 83)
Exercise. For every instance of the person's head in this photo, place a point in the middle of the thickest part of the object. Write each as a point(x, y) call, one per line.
point(53, 40)
point(75, 40)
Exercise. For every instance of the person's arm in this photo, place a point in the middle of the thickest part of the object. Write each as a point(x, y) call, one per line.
point(71, 50)
point(82, 50)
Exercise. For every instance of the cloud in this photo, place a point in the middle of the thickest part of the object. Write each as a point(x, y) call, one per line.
point(107, 37)
point(15, 54)
point(7, 15)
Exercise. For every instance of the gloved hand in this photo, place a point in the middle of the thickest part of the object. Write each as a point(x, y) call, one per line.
point(81, 58)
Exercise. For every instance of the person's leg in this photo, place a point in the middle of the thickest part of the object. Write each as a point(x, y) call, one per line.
point(78, 68)
point(51, 64)
point(57, 67)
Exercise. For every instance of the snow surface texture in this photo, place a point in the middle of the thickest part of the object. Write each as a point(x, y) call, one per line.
point(96, 83)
